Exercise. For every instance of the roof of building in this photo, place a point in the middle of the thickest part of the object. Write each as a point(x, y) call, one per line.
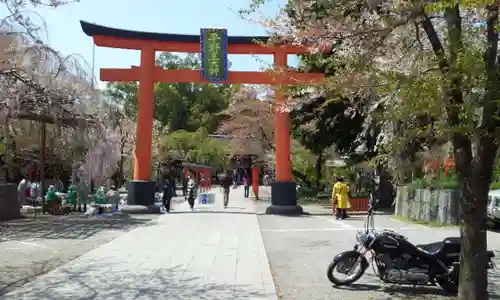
point(195, 165)
point(94, 29)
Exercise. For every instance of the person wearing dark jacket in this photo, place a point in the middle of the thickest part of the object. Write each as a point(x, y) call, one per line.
point(225, 184)
point(184, 186)
point(167, 194)
point(246, 186)
point(191, 192)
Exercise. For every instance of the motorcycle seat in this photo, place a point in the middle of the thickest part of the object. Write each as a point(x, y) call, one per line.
point(432, 248)
point(452, 240)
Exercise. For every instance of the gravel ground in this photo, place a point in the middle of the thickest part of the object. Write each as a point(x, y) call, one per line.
point(300, 248)
point(32, 247)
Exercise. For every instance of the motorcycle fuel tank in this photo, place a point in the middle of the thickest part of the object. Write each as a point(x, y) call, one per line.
point(386, 244)
point(394, 247)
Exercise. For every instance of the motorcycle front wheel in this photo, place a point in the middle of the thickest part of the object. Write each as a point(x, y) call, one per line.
point(345, 263)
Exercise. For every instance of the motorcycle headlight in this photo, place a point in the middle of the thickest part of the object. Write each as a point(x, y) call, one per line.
point(364, 238)
point(361, 237)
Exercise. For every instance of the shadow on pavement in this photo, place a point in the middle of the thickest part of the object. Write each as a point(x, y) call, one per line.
point(91, 282)
point(408, 291)
point(40, 268)
point(494, 280)
point(303, 215)
point(396, 291)
point(405, 292)
point(66, 227)
point(212, 212)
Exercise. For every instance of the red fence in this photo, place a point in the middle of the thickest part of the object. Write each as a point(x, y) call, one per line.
point(359, 204)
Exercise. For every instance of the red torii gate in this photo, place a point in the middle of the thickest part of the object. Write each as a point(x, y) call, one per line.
point(141, 189)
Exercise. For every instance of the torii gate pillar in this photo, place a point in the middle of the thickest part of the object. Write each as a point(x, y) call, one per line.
point(284, 189)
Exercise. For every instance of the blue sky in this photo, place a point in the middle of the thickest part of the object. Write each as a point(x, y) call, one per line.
point(188, 16)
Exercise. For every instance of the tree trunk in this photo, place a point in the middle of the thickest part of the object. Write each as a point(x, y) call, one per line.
point(474, 174)
point(474, 194)
point(121, 178)
point(318, 169)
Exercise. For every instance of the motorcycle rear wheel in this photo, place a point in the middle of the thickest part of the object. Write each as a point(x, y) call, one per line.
point(348, 255)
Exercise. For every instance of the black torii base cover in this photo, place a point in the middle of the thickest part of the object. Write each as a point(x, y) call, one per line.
point(141, 192)
point(284, 199)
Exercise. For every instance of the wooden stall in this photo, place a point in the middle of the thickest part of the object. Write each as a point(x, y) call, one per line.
point(202, 174)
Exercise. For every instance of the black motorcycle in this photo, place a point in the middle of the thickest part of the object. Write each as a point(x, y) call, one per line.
point(395, 260)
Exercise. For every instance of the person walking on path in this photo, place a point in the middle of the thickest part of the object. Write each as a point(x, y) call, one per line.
point(21, 191)
point(184, 186)
point(340, 198)
point(167, 194)
point(225, 184)
point(191, 192)
point(246, 185)
point(267, 180)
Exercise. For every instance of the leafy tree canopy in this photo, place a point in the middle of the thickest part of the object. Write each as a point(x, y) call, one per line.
point(193, 146)
point(186, 106)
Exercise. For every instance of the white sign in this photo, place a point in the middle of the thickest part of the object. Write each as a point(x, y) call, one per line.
point(206, 198)
point(336, 163)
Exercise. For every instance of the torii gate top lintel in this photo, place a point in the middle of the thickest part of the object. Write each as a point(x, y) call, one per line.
point(129, 39)
point(149, 42)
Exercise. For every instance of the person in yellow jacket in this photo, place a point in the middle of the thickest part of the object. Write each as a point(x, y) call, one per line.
point(340, 198)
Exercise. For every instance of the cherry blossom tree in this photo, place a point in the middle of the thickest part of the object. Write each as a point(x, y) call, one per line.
point(40, 84)
point(23, 14)
point(249, 122)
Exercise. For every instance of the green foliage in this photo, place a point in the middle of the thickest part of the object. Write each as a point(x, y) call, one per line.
point(195, 147)
point(307, 192)
point(418, 183)
point(360, 195)
point(125, 94)
point(335, 118)
point(324, 122)
point(495, 185)
point(441, 182)
point(362, 183)
point(303, 161)
point(443, 5)
point(253, 7)
point(186, 106)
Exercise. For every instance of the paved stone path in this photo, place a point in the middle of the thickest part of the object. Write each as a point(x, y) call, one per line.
point(237, 204)
point(181, 255)
point(32, 247)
